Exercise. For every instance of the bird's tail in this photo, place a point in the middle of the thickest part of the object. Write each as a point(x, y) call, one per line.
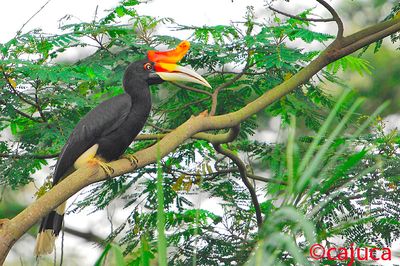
point(49, 229)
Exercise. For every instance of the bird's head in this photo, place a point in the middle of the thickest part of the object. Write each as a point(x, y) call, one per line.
point(160, 66)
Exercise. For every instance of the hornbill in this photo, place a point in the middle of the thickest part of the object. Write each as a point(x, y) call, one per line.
point(105, 132)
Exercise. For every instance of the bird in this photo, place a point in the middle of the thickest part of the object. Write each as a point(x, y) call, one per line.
point(104, 133)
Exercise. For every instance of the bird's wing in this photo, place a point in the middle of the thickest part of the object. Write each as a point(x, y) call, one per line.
point(100, 121)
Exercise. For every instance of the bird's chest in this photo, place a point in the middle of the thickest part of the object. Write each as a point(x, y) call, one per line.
point(114, 144)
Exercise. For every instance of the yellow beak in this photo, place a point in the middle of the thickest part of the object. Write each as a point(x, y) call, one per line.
point(173, 72)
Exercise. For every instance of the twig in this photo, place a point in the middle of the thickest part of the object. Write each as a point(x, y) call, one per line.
point(158, 128)
point(6, 77)
point(244, 73)
point(37, 101)
point(33, 156)
point(183, 106)
point(62, 243)
point(88, 236)
point(185, 87)
point(20, 112)
point(209, 176)
point(301, 18)
point(214, 96)
point(34, 15)
point(265, 179)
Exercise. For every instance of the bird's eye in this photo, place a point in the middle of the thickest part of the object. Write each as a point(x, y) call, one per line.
point(148, 66)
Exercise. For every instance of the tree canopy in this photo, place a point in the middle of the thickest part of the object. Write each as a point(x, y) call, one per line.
point(334, 177)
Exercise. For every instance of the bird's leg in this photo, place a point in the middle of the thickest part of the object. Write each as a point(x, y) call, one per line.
point(104, 165)
point(132, 159)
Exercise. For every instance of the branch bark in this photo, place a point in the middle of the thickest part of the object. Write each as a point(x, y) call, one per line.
point(13, 229)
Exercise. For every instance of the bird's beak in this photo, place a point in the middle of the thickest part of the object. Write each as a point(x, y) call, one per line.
point(173, 72)
point(166, 68)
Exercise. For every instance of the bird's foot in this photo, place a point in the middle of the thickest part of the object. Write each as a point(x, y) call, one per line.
point(132, 159)
point(105, 166)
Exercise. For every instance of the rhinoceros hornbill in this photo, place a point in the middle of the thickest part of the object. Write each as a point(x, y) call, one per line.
point(105, 132)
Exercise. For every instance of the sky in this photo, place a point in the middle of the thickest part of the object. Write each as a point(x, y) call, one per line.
point(14, 14)
point(194, 12)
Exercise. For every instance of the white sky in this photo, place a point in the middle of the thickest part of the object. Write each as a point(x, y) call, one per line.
point(190, 12)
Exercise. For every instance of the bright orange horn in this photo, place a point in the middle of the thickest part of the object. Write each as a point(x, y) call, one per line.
point(171, 56)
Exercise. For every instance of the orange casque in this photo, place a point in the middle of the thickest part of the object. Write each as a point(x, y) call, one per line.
point(164, 60)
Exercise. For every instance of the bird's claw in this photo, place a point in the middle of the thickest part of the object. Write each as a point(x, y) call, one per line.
point(107, 168)
point(132, 159)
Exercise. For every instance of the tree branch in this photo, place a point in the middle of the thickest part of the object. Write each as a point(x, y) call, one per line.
point(37, 101)
point(13, 229)
point(210, 176)
point(20, 112)
point(244, 72)
point(335, 17)
point(189, 88)
point(214, 96)
point(33, 156)
point(222, 137)
point(243, 174)
point(184, 106)
point(88, 236)
point(37, 12)
point(13, 88)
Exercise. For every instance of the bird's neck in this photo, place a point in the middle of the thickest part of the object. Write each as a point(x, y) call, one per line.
point(140, 95)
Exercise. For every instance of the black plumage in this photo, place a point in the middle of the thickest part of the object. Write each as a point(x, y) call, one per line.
point(106, 131)
point(112, 125)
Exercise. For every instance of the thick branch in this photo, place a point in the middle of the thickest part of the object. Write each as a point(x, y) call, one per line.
point(12, 230)
point(221, 138)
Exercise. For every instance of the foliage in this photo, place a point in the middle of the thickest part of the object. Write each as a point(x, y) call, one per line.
point(326, 182)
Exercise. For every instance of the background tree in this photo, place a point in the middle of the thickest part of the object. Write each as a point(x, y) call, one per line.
point(335, 180)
